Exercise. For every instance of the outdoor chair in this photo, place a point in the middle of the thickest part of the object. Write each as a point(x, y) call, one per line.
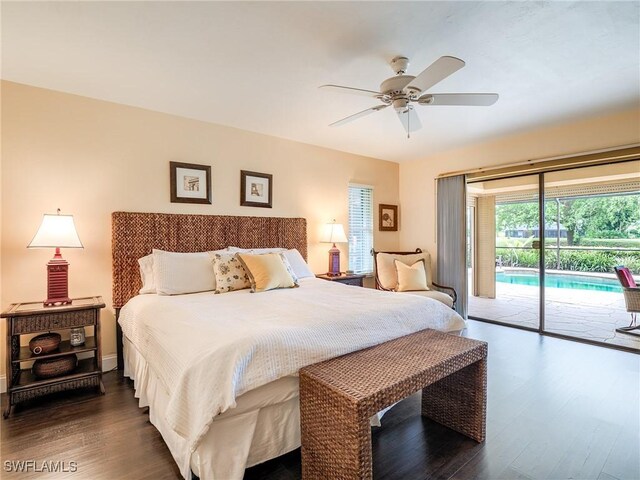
point(387, 277)
point(631, 297)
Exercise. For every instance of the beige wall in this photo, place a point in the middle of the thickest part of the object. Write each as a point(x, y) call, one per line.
point(91, 158)
point(417, 179)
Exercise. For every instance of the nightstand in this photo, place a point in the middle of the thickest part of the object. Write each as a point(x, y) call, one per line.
point(346, 278)
point(32, 318)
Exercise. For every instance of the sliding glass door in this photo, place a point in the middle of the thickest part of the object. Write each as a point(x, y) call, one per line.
point(593, 218)
point(504, 273)
point(542, 251)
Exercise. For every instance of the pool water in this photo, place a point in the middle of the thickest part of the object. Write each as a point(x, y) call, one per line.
point(556, 280)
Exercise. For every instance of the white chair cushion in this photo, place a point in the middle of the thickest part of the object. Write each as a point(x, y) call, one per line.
point(436, 295)
point(387, 273)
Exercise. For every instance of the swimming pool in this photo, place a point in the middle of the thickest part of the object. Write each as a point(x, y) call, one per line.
point(556, 280)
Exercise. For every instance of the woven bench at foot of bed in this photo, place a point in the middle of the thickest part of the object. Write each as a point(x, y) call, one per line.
point(338, 396)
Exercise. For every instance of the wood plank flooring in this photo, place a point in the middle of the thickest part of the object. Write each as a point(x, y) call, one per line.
point(557, 410)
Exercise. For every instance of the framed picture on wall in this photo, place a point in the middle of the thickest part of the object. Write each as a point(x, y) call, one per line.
point(256, 189)
point(190, 183)
point(388, 221)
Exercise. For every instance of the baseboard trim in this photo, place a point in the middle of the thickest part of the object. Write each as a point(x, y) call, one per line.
point(109, 362)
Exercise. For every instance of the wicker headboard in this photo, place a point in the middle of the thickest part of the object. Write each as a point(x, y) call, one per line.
point(134, 235)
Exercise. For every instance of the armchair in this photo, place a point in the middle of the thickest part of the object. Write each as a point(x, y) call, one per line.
point(631, 294)
point(387, 279)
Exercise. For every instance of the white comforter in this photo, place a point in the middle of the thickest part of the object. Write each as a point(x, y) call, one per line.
point(209, 349)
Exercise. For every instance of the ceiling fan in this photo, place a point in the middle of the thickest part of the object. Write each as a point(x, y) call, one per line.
point(403, 92)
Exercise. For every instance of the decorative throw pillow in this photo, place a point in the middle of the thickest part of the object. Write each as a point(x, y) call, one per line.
point(177, 273)
point(298, 265)
point(229, 273)
point(267, 271)
point(146, 274)
point(289, 268)
point(411, 278)
point(388, 273)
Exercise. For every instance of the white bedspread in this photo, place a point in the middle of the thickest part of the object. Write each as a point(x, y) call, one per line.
point(209, 349)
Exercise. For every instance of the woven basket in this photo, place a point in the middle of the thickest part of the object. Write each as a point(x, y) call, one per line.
point(53, 367)
point(45, 343)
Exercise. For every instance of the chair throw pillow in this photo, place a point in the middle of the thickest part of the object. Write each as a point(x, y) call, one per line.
point(388, 273)
point(411, 278)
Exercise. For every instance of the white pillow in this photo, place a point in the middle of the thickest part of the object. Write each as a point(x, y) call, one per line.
point(298, 265)
point(411, 278)
point(146, 273)
point(388, 273)
point(255, 251)
point(179, 273)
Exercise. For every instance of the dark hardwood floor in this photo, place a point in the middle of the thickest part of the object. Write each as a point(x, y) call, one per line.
point(557, 410)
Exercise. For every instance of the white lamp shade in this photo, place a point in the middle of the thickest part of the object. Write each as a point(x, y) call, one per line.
point(333, 233)
point(56, 231)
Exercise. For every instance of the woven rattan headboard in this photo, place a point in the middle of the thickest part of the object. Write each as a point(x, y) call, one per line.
point(134, 235)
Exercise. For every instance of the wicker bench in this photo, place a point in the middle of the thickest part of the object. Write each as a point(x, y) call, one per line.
point(338, 396)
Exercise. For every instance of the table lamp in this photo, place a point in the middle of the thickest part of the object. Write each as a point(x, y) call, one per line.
point(57, 231)
point(334, 233)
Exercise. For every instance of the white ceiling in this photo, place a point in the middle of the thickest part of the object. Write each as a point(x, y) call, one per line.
point(257, 66)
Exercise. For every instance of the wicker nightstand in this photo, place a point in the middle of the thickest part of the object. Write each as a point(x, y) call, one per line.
point(346, 278)
point(30, 318)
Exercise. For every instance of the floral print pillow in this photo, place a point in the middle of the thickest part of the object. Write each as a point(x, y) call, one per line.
point(229, 272)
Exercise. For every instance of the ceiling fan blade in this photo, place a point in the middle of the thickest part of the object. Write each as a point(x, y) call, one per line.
point(409, 119)
point(436, 72)
point(461, 99)
point(356, 91)
point(355, 116)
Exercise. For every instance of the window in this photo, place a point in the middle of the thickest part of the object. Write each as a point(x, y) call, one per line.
point(360, 228)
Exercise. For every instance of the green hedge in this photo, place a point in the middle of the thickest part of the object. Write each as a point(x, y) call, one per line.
point(582, 242)
point(573, 260)
point(610, 242)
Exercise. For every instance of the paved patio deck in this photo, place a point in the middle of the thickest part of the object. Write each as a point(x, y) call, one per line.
point(587, 314)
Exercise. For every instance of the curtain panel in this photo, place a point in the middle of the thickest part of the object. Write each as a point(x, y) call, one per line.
point(451, 237)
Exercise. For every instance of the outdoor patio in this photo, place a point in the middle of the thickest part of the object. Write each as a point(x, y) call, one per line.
point(586, 314)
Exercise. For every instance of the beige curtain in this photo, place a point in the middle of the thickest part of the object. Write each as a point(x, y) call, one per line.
point(485, 249)
point(451, 237)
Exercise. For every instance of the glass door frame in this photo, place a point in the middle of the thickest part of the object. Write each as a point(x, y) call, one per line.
point(542, 227)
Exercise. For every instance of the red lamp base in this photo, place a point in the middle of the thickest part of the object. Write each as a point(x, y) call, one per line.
point(57, 281)
point(334, 262)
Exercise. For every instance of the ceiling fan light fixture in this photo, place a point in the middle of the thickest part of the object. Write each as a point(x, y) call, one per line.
point(400, 104)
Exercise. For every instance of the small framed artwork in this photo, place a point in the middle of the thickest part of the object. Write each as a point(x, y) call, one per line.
point(256, 189)
point(190, 183)
point(388, 218)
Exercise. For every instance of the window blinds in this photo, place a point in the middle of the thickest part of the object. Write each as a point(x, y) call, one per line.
point(360, 228)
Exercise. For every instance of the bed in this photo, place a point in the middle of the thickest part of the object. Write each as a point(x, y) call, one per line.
point(219, 372)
